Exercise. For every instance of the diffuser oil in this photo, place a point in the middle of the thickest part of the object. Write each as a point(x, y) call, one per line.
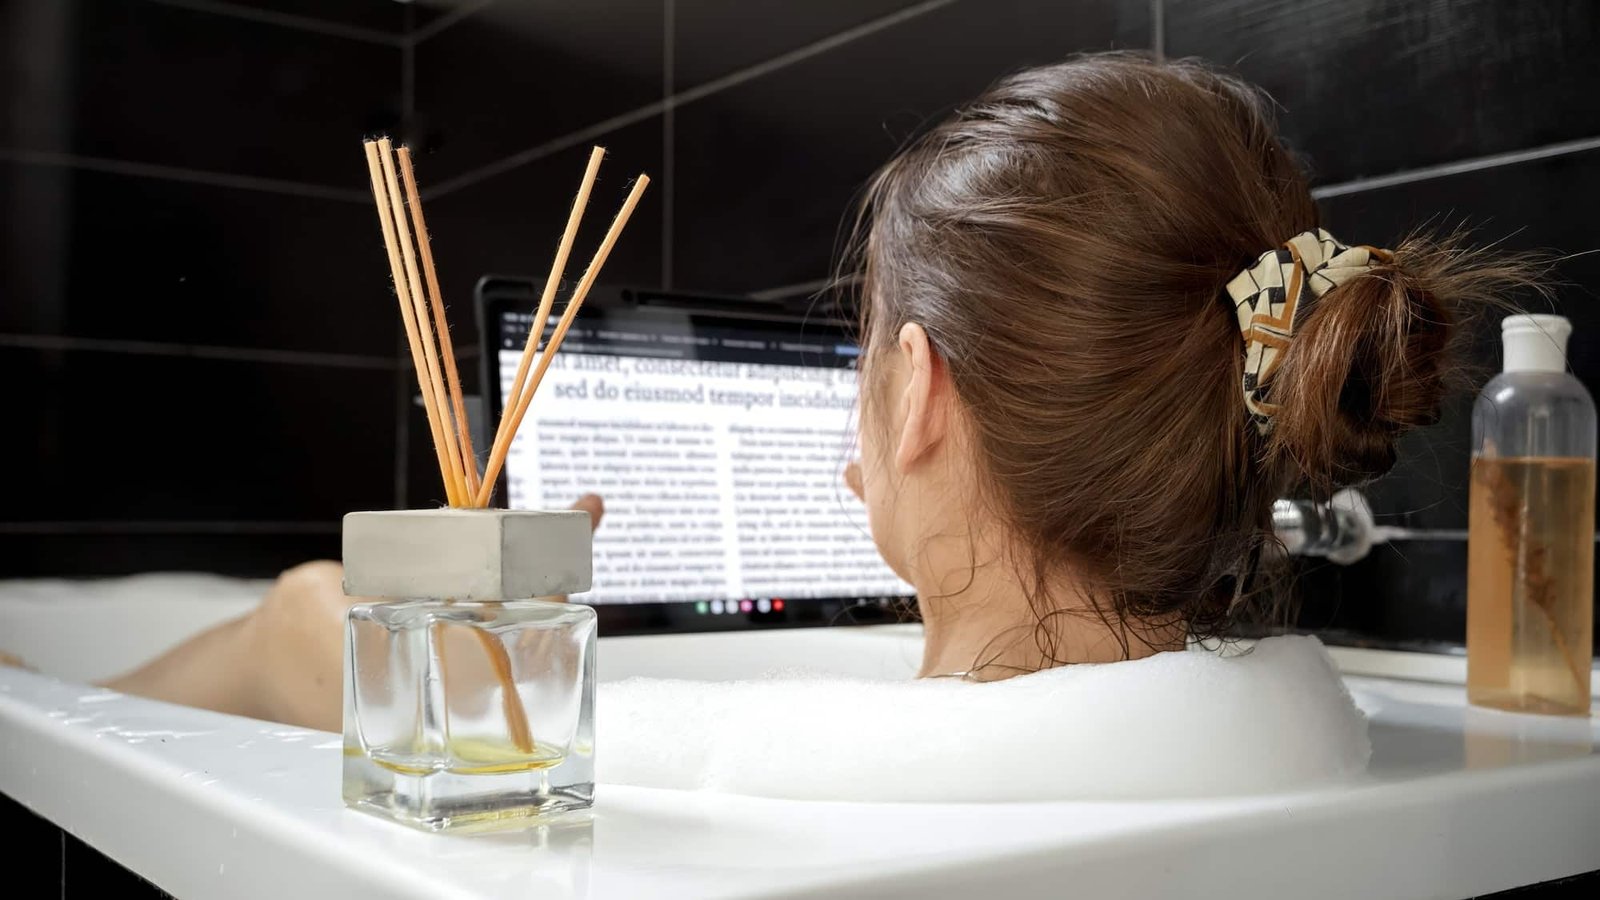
point(1530, 567)
point(474, 756)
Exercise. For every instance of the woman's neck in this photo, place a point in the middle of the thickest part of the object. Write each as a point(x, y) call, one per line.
point(978, 619)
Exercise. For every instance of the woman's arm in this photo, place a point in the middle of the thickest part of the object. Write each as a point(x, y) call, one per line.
point(283, 661)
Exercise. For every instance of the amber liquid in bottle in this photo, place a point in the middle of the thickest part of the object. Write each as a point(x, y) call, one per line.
point(1530, 573)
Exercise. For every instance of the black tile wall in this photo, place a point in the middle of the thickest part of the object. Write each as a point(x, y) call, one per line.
point(154, 259)
point(510, 224)
point(115, 436)
point(713, 38)
point(35, 850)
point(1406, 593)
point(1540, 205)
point(765, 170)
point(245, 554)
point(196, 317)
point(1410, 594)
point(151, 83)
point(516, 75)
point(1373, 86)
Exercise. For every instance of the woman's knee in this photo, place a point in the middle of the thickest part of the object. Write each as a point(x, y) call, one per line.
point(318, 575)
point(305, 594)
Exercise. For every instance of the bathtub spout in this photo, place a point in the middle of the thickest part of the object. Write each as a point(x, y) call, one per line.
point(1341, 530)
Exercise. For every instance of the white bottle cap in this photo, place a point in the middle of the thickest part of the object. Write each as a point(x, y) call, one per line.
point(1535, 343)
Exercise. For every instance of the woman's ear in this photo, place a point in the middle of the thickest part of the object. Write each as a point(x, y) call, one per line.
point(925, 402)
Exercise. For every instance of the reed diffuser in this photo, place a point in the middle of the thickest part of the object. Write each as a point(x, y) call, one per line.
point(468, 700)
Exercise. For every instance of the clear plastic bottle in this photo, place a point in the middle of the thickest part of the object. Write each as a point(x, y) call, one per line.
point(1530, 571)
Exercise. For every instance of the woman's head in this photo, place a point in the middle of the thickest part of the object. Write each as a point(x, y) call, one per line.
point(1043, 299)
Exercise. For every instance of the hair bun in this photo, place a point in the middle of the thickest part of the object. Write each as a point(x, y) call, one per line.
point(1372, 360)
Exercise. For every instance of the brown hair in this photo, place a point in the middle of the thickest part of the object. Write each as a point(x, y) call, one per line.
point(1065, 240)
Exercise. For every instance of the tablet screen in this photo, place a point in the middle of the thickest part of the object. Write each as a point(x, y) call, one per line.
point(718, 447)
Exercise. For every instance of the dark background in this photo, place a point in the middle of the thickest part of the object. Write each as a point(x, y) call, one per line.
point(199, 350)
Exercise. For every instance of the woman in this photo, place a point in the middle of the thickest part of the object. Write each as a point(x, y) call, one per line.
point(1101, 333)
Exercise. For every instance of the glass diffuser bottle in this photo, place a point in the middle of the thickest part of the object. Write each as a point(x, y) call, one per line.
point(467, 705)
point(1530, 574)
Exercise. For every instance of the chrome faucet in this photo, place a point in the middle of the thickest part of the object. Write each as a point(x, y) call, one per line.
point(1341, 530)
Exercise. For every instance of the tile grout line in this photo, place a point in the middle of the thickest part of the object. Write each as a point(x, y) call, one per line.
point(175, 526)
point(1459, 167)
point(815, 48)
point(517, 160)
point(432, 29)
point(1394, 533)
point(669, 39)
point(1158, 29)
point(287, 20)
point(1459, 535)
point(700, 92)
point(786, 290)
point(195, 351)
point(177, 173)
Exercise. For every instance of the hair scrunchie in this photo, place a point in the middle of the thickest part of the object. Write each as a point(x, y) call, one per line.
point(1269, 296)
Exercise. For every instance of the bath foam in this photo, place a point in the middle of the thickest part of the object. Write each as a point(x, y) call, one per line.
point(1180, 724)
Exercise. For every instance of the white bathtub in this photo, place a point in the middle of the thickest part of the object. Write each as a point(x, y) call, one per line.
point(1462, 801)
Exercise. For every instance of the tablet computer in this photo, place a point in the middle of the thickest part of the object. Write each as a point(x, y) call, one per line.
point(717, 432)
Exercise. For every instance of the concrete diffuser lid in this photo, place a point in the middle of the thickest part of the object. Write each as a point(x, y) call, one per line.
point(467, 554)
